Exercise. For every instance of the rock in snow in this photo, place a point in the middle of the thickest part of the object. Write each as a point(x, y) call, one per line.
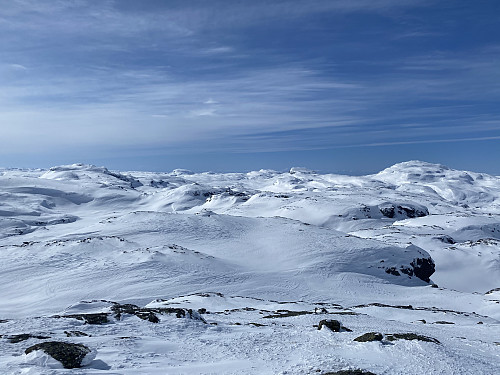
point(70, 355)
point(333, 325)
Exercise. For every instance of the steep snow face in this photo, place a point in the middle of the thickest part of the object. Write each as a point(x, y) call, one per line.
point(268, 254)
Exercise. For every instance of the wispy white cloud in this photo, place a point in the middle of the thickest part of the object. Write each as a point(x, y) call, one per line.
point(425, 141)
point(261, 109)
point(17, 67)
point(218, 50)
point(210, 101)
point(114, 18)
point(204, 112)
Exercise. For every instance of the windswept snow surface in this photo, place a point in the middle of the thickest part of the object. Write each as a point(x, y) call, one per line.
point(206, 273)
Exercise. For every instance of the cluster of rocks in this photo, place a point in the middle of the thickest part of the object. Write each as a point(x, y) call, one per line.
point(336, 326)
point(408, 211)
point(144, 313)
point(75, 355)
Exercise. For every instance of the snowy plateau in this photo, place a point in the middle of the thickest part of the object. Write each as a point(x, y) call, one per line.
point(106, 272)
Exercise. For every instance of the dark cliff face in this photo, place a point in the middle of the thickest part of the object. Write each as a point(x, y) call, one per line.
point(423, 268)
point(405, 211)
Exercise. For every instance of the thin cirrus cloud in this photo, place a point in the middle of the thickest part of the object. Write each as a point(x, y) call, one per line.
point(243, 76)
point(256, 101)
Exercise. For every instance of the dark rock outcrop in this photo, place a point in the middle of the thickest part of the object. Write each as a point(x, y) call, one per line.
point(445, 239)
point(349, 372)
point(410, 336)
point(287, 314)
point(376, 336)
point(75, 333)
point(392, 271)
point(98, 318)
point(149, 314)
point(70, 355)
point(493, 291)
point(423, 268)
point(370, 336)
point(142, 313)
point(408, 211)
point(14, 339)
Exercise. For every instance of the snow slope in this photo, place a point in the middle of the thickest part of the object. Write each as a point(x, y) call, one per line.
point(254, 261)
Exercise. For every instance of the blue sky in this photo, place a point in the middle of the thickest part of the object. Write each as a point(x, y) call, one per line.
point(347, 86)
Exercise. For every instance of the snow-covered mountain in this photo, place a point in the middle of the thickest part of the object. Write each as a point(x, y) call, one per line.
point(191, 273)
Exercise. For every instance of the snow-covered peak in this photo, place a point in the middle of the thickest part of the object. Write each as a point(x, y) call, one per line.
point(458, 186)
point(301, 170)
point(73, 171)
point(413, 171)
point(422, 172)
point(180, 172)
point(78, 167)
point(90, 172)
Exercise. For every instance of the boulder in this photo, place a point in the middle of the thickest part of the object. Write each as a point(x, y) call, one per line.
point(333, 325)
point(70, 355)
